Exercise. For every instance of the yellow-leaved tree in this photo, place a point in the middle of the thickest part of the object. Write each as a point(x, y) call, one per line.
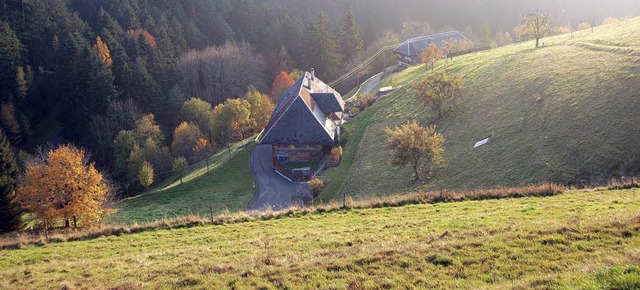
point(102, 50)
point(260, 106)
point(185, 138)
point(412, 143)
point(431, 55)
point(64, 187)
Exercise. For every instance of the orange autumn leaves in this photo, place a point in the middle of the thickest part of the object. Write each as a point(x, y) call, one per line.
point(280, 84)
point(64, 187)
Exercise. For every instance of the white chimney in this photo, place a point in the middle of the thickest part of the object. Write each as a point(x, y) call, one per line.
point(313, 74)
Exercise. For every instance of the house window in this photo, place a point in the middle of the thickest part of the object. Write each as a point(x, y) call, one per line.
point(282, 157)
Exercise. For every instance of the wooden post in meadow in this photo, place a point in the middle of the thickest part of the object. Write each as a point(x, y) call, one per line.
point(211, 209)
point(46, 230)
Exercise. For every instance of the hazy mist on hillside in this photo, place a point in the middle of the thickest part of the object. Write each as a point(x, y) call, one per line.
point(498, 14)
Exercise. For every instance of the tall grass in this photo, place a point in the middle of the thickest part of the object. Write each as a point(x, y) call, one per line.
point(22, 239)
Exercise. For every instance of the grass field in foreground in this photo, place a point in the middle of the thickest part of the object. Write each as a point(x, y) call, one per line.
point(229, 185)
point(564, 113)
point(580, 239)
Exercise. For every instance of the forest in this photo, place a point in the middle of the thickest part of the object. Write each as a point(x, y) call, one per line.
point(157, 84)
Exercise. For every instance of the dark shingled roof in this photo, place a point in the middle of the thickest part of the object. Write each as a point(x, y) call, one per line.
point(328, 102)
point(302, 114)
point(415, 46)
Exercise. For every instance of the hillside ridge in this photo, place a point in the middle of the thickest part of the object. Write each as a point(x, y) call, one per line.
point(564, 113)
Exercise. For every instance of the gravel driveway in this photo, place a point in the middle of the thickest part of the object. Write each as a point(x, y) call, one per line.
point(273, 191)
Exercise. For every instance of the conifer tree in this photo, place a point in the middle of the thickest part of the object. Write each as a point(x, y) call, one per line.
point(144, 88)
point(351, 42)
point(10, 51)
point(369, 34)
point(9, 123)
point(322, 51)
point(10, 210)
point(89, 87)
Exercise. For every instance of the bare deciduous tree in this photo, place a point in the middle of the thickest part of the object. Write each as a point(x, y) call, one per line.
point(121, 115)
point(218, 73)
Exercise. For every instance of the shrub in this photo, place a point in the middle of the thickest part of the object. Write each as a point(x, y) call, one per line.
point(365, 101)
point(316, 185)
point(336, 153)
point(344, 136)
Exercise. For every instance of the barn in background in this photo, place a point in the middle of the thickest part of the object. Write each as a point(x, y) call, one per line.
point(408, 53)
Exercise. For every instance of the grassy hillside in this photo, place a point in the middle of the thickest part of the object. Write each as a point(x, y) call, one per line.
point(566, 112)
point(580, 239)
point(229, 185)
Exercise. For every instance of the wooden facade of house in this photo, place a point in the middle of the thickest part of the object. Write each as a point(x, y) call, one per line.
point(305, 124)
point(408, 53)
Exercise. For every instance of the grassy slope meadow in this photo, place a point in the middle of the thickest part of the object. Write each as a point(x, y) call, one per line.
point(567, 112)
point(229, 185)
point(579, 239)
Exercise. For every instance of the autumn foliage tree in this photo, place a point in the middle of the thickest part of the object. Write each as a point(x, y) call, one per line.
point(280, 84)
point(610, 20)
point(145, 176)
point(439, 91)
point(185, 139)
point(232, 121)
point(316, 185)
point(202, 149)
point(65, 187)
point(147, 36)
point(197, 111)
point(260, 106)
point(103, 52)
point(534, 26)
point(431, 55)
point(134, 147)
point(412, 143)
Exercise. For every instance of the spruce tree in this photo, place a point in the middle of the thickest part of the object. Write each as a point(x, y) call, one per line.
point(10, 54)
point(369, 34)
point(10, 210)
point(90, 87)
point(350, 38)
point(321, 50)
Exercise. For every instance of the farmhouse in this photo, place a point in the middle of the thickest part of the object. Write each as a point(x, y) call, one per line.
point(408, 52)
point(304, 126)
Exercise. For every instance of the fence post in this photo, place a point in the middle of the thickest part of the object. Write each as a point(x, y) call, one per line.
point(208, 164)
point(46, 230)
point(211, 208)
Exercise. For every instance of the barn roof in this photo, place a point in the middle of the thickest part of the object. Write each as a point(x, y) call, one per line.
point(302, 114)
point(415, 46)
